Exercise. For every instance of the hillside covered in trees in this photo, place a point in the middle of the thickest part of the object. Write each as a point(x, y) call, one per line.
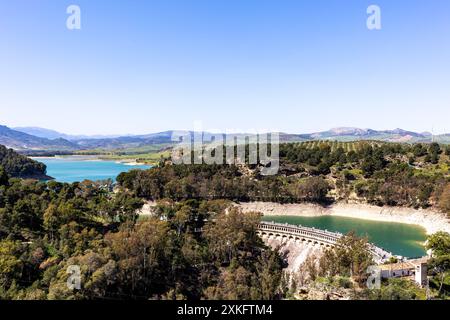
point(377, 173)
point(47, 228)
point(17, 165)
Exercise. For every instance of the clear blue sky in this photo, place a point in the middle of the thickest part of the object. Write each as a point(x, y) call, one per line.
point(295, 66)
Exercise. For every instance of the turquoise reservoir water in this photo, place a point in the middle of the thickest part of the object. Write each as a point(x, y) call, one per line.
point(71, 169)
point(400, 239)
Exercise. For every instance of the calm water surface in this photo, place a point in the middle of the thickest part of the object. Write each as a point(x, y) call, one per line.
point(71, 169)
point(401, 239)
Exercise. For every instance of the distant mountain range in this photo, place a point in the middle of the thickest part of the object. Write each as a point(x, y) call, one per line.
point(23, 141)
point(397, 135)
point(34, 138)
point(52, 134)
point(19, 166)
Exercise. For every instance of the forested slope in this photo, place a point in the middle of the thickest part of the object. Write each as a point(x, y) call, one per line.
point(16, 165)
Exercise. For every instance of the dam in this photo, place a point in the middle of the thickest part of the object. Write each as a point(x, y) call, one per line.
point(302, 241)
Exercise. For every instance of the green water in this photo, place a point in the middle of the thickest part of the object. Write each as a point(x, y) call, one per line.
point(400, 239)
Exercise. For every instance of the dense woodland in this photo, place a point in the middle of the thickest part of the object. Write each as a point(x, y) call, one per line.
point(20, 166)
point(377, 173)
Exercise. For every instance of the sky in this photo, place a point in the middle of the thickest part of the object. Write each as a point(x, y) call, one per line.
point(295, 66)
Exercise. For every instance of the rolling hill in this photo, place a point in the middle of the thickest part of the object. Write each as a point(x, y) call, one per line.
point(33, 138)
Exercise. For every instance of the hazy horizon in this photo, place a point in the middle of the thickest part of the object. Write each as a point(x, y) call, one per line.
point(288, 66)
point(212, 131)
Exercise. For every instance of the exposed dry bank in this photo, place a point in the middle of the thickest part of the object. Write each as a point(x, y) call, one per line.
point(432, 221)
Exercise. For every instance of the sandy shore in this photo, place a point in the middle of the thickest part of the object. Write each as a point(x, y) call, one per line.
point(432, 221)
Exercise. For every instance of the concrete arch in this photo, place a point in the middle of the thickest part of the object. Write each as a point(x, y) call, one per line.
point(311, 236)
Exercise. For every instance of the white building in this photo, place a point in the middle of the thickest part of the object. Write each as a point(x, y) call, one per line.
point(415, 268)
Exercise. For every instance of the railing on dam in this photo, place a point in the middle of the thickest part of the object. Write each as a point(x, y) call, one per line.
point(313, 235)
point(321, 236)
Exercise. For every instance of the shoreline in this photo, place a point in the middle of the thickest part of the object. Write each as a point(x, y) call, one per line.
point(127, 162)
point(431, 221)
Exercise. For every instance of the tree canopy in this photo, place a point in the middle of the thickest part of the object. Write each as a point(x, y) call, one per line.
point(17, 165)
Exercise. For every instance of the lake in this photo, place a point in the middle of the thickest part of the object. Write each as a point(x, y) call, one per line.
point(73, 168)
point(400, 239)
